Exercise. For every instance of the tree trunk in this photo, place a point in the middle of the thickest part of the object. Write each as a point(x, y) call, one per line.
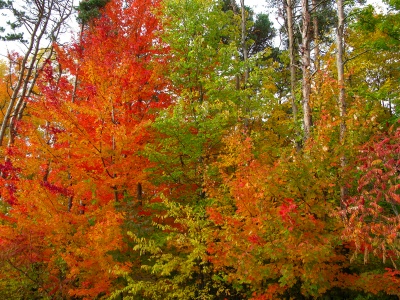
point(45, 19)
point(292, 60)
point(306, 59)
point(342, 95)
point(245, 58)
point(243, 41)
point(316, 36)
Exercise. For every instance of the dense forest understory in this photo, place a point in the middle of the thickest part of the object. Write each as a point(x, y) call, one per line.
point(187, 149)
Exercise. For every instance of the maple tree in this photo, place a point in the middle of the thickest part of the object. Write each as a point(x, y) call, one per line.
point(83, 154)
point(276, 223)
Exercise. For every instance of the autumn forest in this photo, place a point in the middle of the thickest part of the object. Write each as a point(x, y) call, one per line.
point(196, 149)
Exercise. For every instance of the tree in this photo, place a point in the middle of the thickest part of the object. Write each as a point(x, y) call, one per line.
point(292, 62)
point(305, 66)
point(278, 213)
point(372, 215)
point(341, 84)
point(90, 9)
point(44, 21)
point(82, 165)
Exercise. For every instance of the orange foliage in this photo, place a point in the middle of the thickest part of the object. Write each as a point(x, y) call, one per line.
point(80, 154)
point(273, 234)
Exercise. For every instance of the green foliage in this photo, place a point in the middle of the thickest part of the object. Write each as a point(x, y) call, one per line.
point(374, 72)
point(90, 9)
point(13, 25)
point(387, 25)
point(178, 262)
